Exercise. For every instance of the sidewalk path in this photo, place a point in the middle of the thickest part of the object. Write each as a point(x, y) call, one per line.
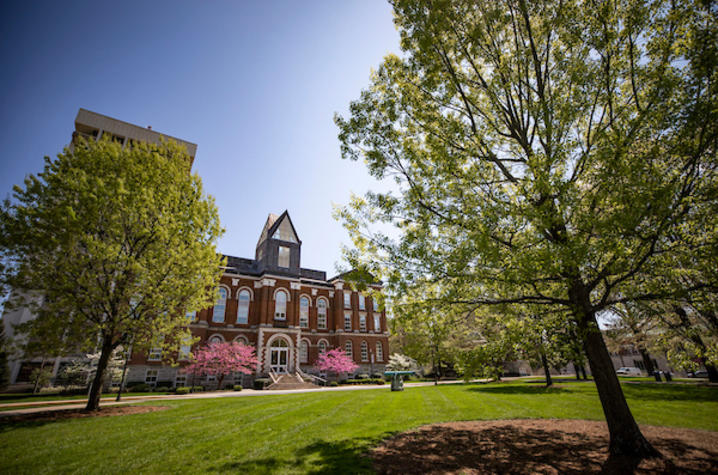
point(46, 406)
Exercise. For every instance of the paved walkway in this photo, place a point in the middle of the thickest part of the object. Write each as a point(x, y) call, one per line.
point(59, 405)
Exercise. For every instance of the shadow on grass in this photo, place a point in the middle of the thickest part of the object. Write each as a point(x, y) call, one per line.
point(670, 392)
point(321, 457)
point(518, 389)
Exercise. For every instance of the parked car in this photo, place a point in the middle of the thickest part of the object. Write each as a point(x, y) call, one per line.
point(699, 374)
point(629, 371)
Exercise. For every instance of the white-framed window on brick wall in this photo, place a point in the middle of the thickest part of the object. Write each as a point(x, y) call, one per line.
point(377, 323)
point(280, 305)
point(155, 354)
point(322, 314)
point(364, 351)
point(304, 312)
point(379, 351)
point(243, 306)
point(362, 302)
point(220, 306)
point(348, 349)
point(362, 323)
point(347, 299)
point(303, 351)
point(348, 321)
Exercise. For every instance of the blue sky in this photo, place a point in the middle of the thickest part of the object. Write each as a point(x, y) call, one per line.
point(254, 84)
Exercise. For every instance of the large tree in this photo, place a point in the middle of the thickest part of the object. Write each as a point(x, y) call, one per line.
point(110, 245)
point(543, 153)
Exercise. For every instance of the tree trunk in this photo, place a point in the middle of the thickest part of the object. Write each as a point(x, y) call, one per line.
point(575, 368)
point(124, 372)
point(39, 375)
point(626, 438)
point(546, 370)
point(712, 372)
point(433, 365)
point(583, 372)
point(93, 400)
point(647, 361)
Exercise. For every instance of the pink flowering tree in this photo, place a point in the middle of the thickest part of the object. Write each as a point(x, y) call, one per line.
point(335, 361)
point(222, 358)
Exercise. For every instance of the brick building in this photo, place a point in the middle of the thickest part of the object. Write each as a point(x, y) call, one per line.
point(290, 314)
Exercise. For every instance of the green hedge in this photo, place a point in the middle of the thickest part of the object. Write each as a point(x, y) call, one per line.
point(364, 381)
point(237, 387)
point(182, 390)
point(261, 383)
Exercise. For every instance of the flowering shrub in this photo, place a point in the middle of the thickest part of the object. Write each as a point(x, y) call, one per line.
point(222, 358)
point(335, 361)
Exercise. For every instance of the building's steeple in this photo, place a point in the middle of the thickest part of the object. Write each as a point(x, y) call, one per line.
point(279, 247)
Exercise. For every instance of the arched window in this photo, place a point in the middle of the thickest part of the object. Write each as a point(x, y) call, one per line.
point(303, 351)
point(280, 343)
point(379, 351)
point(322, 346)
point(280, 305)
point(218, 313)
point(364, 351)
point(304, 312)
point(322, 314)
point(215, 339)
point(348, 349)
point(243, 306)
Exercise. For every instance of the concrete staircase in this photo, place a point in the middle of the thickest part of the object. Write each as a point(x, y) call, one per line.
point(291, 381)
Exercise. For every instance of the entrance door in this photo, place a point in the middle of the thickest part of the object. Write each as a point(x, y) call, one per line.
point(279, 356)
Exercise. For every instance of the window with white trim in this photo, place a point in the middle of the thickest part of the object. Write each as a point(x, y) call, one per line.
point(348, 349)
point(216, 339)
point(191, 317)
point(379, 351)
point(348, 322)
point(155, 354)
point(377, 324)
point(180, 379)
point(280, 305)
point(347, 299)
point(243, 306)
point(362, 322)
point(219, 306)
point(303, 351)
point(364, 351)
point(304, 312)
point(362, 302)
point(283, 257)
point(322, 347)
point(151, 376)
point(321, 314)
point(184, 352)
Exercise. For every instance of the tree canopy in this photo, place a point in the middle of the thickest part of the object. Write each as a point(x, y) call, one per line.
point(111, 245)
point(543, 153)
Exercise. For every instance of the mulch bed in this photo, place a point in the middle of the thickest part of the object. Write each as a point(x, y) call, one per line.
point(539, 446)
point(50, 416)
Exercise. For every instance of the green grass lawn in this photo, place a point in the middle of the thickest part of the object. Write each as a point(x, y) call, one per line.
point(324, 432)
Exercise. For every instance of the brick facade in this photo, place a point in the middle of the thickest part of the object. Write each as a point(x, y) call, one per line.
point(262, 280)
